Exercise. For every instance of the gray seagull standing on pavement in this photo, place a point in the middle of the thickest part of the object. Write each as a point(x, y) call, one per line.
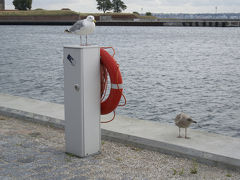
point(83, 27)
point(183, 121)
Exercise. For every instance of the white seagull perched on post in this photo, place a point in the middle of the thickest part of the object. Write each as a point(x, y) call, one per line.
point(183, 121)
point(83, 27)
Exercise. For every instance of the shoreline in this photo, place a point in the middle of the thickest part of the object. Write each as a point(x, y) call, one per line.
point(71, 19)
point(131, 23)
point(68, 17)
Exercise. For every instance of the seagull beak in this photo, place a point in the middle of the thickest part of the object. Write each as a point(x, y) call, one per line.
point(94, 21)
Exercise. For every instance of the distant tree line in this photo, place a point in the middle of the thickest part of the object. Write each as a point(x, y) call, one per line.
point(148, 14)
point(22, 4)
point(107, 5)
point(104, 5)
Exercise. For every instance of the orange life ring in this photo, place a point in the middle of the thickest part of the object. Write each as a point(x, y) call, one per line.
point(111, 103)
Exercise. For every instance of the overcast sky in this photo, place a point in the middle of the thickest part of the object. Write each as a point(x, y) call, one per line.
point(142, 6)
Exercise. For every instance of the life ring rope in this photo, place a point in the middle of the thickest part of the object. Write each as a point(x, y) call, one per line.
point(118, 87)
point(114, 114)
point(114, 52)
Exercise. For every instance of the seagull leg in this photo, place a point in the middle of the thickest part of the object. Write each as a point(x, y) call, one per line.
point(186, 134)
point(80, 40)
point(179, 136)
point(86, 40)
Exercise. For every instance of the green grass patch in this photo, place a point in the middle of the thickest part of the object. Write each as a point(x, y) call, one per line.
point(136, 149)
point(103, 142)
point(19, 144)
point(119, 159)
point(174, 171)
point(194, 169)
point(228, 175)
point(146, 17)
point(42, 12)
point(181, 172)
point(107, 14)
point(38, 13)
point(71, 155)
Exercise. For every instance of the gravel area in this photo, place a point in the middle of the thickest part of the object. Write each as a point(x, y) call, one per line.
point(33, 151)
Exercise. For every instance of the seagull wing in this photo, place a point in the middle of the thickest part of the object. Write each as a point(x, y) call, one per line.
point(76, 26)
point(178, 118)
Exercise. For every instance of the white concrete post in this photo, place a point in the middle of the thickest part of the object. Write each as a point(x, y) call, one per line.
point(82, 99)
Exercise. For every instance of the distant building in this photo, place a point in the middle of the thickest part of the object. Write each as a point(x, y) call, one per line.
point(198, 16)
point(2, 4)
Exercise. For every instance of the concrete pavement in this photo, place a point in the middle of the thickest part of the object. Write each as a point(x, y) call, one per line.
point(206, 147)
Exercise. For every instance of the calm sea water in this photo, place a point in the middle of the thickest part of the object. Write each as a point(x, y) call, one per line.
point(166, 70)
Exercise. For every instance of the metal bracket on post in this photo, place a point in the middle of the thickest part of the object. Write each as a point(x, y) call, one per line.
point(82, 100)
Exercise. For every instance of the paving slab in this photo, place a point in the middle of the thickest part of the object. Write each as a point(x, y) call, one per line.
point(205, 147)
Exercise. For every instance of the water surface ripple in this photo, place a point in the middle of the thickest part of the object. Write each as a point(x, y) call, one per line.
point(166, 70)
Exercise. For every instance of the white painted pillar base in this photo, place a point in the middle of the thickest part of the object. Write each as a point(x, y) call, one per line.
point(82, 99)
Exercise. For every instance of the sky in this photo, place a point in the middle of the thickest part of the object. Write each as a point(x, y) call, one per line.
point(142, 6)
